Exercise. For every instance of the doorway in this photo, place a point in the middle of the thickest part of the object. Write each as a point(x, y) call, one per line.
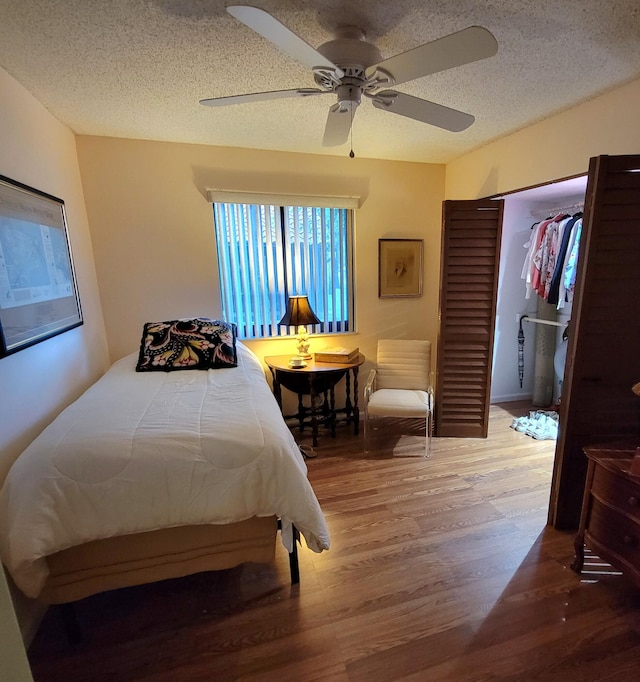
point(602, 361)
point(531, 332)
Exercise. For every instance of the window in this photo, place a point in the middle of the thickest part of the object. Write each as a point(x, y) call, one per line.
point(267, 253)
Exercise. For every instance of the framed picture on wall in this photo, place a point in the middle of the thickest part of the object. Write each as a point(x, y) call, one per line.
point(38, 292)
point(400, 265)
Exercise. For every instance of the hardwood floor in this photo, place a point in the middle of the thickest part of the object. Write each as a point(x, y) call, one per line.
point(440, 569)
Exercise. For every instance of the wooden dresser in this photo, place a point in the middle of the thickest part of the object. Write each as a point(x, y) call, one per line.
point(610, 520)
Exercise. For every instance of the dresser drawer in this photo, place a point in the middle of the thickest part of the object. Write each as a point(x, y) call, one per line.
point(615, 531)
point(617, 491)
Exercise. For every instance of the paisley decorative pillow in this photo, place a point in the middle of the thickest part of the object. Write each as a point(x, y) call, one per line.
point(196, 343)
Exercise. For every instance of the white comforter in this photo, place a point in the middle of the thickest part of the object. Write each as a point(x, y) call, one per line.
point(143, 451)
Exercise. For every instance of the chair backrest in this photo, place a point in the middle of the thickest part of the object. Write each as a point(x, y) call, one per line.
point(403, 363)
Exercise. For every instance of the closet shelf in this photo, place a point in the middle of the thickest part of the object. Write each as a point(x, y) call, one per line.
point(550, 212)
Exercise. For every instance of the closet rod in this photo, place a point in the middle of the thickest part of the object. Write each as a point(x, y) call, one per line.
point(537, 320)
point(551, 212)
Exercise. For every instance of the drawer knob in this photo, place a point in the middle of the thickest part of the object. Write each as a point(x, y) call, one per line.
point(629, 540)
point(633, 501)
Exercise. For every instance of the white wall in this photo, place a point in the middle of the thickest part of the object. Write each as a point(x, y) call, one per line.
point(155, 247)
point(505, 384)
point(38, 382)
point(558, 147)
point(37, 150)
point(13, 658)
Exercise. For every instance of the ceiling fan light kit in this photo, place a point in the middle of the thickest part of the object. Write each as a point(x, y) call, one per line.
point(349, 67)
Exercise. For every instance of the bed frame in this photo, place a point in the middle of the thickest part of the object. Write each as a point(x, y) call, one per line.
point(141, 558)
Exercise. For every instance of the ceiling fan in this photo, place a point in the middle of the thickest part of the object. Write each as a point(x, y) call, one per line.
point(350, 67)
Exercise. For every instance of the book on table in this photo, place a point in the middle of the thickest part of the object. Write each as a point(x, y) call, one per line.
point(339, 355)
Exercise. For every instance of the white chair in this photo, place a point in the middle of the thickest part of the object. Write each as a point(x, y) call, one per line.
point(400, 386)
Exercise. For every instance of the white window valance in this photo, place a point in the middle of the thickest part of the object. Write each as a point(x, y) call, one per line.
point(229, 196)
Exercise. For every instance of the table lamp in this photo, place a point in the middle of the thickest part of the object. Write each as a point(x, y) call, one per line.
point(299, 315)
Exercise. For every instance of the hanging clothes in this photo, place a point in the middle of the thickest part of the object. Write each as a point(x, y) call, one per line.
point(569, 279)
point(530, 269)
point(536, 260)
point(550, 245)
point(550, 264)
point(566, 229)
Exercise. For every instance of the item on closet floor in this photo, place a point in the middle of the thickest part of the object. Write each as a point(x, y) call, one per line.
point(540, 424)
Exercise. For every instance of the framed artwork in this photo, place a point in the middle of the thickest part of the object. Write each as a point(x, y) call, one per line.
point(400, 265)
point(38, 292)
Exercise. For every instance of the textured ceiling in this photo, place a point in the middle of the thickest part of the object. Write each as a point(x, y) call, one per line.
point(138, 68)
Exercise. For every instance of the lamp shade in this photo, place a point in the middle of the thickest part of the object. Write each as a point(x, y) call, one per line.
point(298, 312)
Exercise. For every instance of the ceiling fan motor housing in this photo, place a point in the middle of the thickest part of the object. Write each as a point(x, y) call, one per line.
point(353, 55)
point(350, 49)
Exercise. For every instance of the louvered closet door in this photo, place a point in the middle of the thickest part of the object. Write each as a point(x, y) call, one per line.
point(603, 353)
point(468, 291)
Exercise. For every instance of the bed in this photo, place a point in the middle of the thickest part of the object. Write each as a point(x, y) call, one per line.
point(158, 470)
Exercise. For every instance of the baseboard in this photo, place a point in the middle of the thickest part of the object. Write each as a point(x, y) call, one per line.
point(512, 398)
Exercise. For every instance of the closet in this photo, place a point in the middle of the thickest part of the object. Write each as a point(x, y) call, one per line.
point(533, 314)
point(603, 346)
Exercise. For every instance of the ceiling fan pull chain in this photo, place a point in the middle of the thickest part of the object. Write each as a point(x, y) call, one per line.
point(351, 154)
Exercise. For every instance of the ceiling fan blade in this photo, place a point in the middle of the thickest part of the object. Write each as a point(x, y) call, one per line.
point(262, 96)
point(282, 37)
point(339, 120)
point(422, 110)
point(456, 49)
